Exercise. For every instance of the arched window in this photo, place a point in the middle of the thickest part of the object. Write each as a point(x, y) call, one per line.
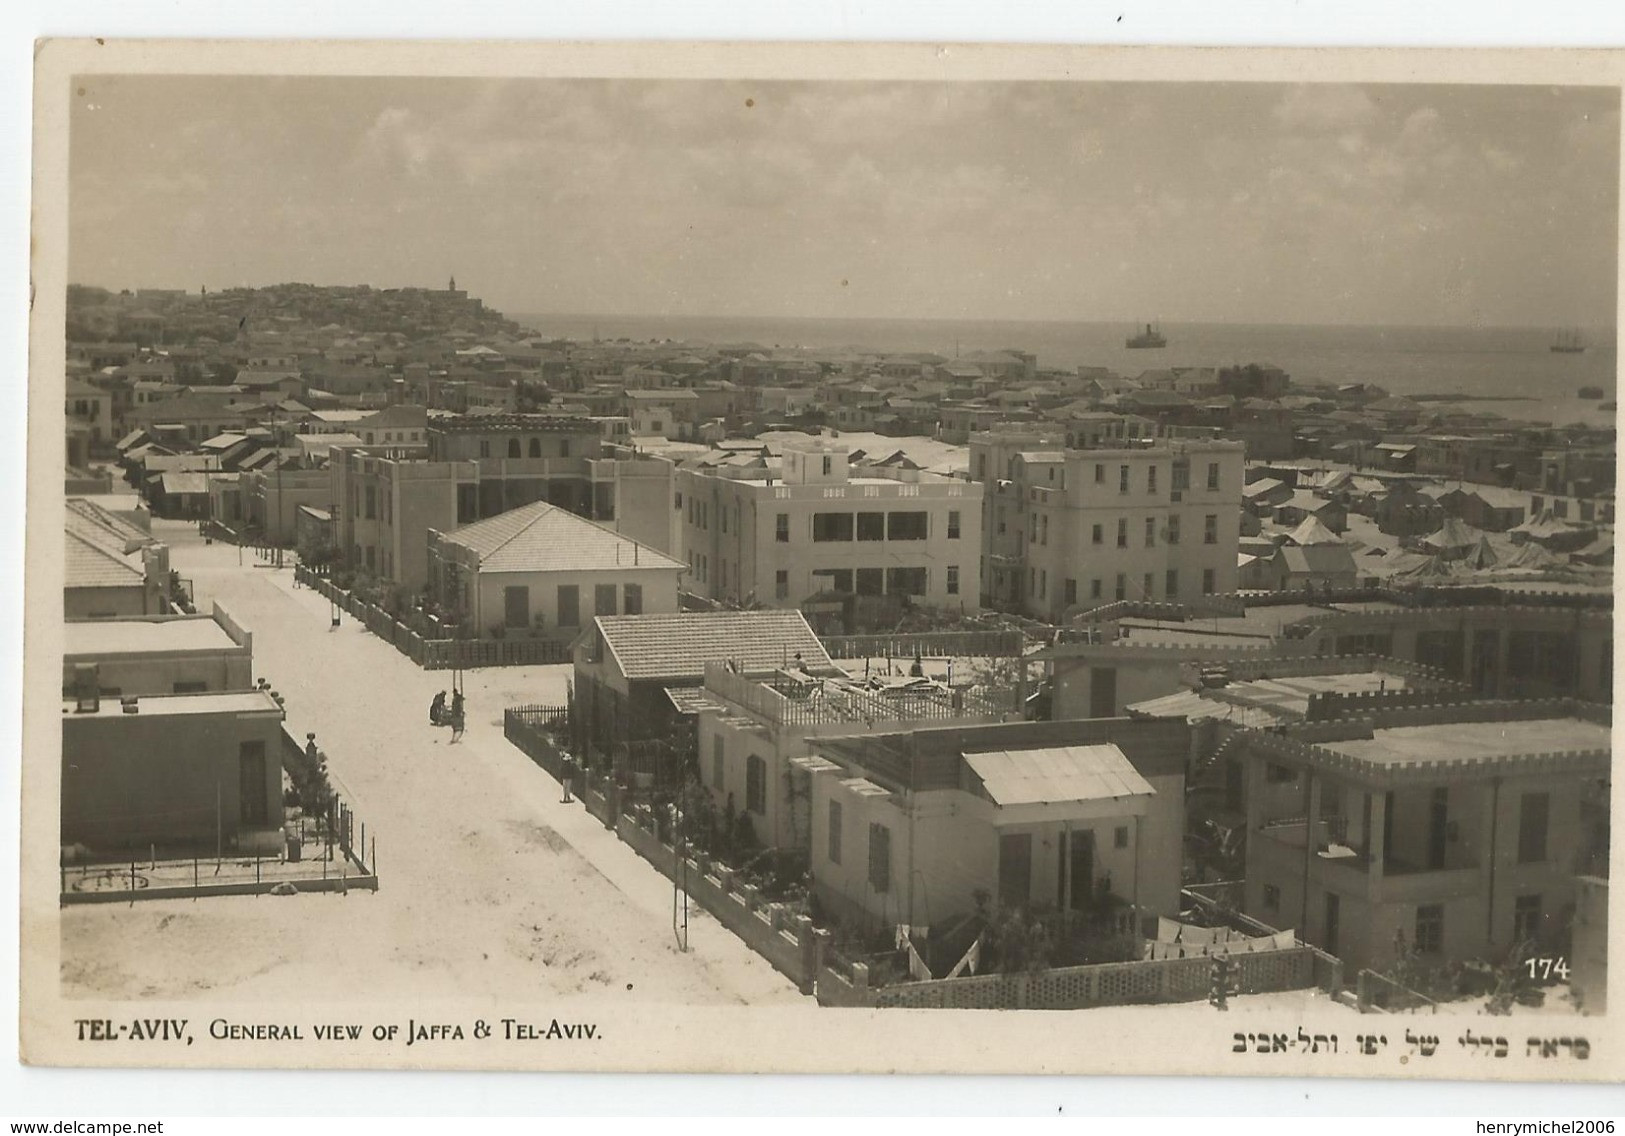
point(535, 447)
point(513, 447)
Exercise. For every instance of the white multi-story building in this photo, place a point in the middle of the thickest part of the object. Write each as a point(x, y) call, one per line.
point(1084, 527)
point(822, 527)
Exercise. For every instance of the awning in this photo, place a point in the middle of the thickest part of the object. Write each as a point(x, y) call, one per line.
point(1061, 783)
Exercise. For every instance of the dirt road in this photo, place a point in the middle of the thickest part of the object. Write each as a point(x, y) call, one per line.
point(490, 886)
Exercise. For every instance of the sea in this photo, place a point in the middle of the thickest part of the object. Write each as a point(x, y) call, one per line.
point(1501, 370)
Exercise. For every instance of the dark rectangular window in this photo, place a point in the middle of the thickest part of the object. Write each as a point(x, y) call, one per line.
point(1208, 582)
point(905, 581)
point(781, 528)
point(756, 785)
point(252, 797)
point(1182, 473)
point(1122, 532)
point(871, 526)
point(1100, 474)
point(371, 498)
point(719, 767)
point(1150, 479)
point(1212, 475)
point(1094, 588)
point(1122, 586)
point(834, 850)
point(1430, 929)
point(1097, 534)
point(832, 526)
point(879, 857)
point(569, 605)
point(1173, 528)
point(871, 581)
point(603, 599)
point(1148, 584)
point(953, 524)
point(781, 584)
point(907, 526)
point(1533, 813)
point(1272, 897)
point(1151, 532)
point(1210, 529)
point(953, 579)
point(1069, 591)
point(632, 600)
point(1172, 583)
point(1120, 836)
point(1122, 479)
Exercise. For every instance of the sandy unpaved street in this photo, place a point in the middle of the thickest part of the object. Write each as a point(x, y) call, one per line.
point(490, 886)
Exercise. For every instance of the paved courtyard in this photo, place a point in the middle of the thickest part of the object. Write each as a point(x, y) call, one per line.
point(490, 886)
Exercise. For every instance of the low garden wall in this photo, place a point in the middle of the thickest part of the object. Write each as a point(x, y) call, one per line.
point(438, 654)
point(787, 940)
point(1075, 987)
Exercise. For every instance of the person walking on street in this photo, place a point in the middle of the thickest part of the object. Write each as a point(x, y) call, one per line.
point(567, 778)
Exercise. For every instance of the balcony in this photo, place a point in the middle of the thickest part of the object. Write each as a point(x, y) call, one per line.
point(1347, 869)
point(1410, 883)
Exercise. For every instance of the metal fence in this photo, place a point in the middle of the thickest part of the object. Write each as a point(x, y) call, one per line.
point(927, 644)
point(330, 853)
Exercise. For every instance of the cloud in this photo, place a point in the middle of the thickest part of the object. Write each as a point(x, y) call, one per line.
point(399, 141)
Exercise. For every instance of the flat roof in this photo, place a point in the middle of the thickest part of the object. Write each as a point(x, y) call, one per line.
point(1291, 695)
point(1473, 741)
point(171, 705)
point(104, 637)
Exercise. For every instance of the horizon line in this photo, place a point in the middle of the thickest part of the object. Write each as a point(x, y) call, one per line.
point(512, 313)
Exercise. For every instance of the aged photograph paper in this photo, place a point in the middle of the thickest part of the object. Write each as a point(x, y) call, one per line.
point(829, 558)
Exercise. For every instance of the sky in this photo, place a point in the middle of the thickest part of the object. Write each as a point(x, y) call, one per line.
point(1213, 202)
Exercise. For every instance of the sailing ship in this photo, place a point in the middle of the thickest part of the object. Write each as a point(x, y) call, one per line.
point(1569, 343)
point(1151, 337)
